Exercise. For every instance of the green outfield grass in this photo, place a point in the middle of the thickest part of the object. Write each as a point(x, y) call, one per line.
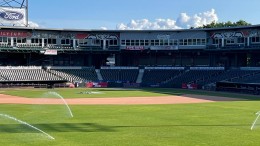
point(205, 124)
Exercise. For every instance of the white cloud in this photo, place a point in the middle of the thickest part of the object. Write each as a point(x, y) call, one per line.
point(103, 28)
point(30, 23)
point(33, 24)
point(183, 21)
point(145, 24)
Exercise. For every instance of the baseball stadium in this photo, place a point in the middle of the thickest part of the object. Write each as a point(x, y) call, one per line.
point(184, 87)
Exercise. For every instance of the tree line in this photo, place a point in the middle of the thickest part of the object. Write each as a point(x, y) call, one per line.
point(225, 24)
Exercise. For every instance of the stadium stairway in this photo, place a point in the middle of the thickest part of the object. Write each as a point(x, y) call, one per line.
point(140, 76)
point(99, 76)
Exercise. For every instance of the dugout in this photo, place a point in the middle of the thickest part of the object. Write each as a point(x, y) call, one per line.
point(251, 88)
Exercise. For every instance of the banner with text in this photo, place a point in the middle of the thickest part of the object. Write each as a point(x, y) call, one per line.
point(164, 48)
point(15, 16)
point(134, 48)
point(51, 52)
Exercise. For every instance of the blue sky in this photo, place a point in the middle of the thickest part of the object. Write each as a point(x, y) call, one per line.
point(94, 14)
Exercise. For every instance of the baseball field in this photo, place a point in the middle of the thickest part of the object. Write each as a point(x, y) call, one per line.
point(127, 117)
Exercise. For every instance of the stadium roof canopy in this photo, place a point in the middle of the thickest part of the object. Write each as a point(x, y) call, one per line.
point(100, 30)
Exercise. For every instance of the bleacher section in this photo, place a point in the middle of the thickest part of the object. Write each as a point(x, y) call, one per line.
point(229, 75)
point(157, 76)
point(251, 77)
point(2, 78)
point(27, 75)
point(152, 76)
point(75, 74)
point(190, 76)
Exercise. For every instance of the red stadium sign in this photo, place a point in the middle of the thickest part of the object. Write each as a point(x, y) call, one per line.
point(96, 85)
point(81, 36)
point(7, 33)
point(134, 47)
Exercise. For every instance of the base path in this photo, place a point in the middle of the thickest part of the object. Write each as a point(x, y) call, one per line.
point(8, 99)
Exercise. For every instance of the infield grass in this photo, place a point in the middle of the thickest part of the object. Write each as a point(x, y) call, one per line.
point(205, 124)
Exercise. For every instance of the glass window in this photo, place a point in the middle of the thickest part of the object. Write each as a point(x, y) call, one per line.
point(82, 42)
point(166, 42)
point(54, 41)
point(96, 42)
point(203, 41)
point(185, 42)
point(113, 42)
point(146, 42)
point(137, 42)
point(255, 39)
point(15, 40)
point(190, 42)
point(152, 42)
point(215, 41)
point(230, 41)
point(23, 40)
point(132, 42)
point(50, 41)
point(123, 42)
point(175, 42)
point(171, 42)
point(161, 42)
point(67, 41)
point(240, 40)
point(8, 40)
point(63, 41)
point(34, 41)
point(194, 42)
point(128, 42)
point(156, 43)
point(181, 42)
point(141, 42)
point(19, 40)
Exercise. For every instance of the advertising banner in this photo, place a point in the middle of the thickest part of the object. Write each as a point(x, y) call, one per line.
point(164, 48)
point(189, 86)
point(13, 15)
point(51, 52)
point(134, 48)
point(96, 85)
point(18, 34)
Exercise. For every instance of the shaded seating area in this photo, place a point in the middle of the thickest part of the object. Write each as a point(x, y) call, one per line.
point(190, 76)
point(119, 75)
point(253, 77)
point(73, 75)
point(157, 76)
point(229, 75)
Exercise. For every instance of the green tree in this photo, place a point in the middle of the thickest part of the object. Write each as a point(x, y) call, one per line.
point(214, 24)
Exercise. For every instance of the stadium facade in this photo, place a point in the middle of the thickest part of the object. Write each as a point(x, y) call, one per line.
point(228, 47)
point(224, 59)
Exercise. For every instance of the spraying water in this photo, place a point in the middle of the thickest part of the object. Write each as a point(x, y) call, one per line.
point(253, 125)
point(58, 95)
point(31, 126)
